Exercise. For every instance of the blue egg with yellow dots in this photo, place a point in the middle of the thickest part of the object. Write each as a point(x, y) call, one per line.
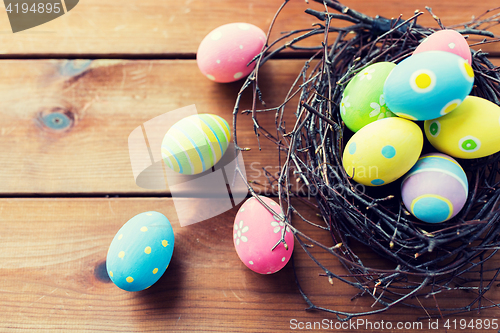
point(140, 251)
point(435, 189)
point(428, 85)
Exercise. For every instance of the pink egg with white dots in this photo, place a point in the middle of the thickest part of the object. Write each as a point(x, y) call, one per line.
point(224, 53)
point(446, 40)
point(256, 231)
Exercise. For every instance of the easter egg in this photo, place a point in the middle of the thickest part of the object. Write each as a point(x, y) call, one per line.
point(471, 131)
point(383, 151)
point(256, 231)
point(363, 99)
point(195, 143)
point(224, 53)
point(140, 251)
point(435, 189)
point(447, 40)
point(428, 85)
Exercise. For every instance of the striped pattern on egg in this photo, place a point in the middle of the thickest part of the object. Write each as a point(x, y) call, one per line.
point(140, 251)
point(195, 143)
point(435, 189)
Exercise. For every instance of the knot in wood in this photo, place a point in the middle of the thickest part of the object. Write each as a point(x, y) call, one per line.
point(56, 119)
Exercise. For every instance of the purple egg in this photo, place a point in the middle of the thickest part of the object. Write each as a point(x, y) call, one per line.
point(435, 189)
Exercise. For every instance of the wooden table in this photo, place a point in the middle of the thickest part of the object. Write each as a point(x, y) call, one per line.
point(66, 187)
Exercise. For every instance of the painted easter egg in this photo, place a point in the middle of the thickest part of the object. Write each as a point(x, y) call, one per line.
point(195, 143)
point(435, 189)
point(363, 99)
point(471, 131)
point(383, 151)
point(256, 231)
point(447, 40)
point(141, 251)
point(224, 53)
point(428, 85)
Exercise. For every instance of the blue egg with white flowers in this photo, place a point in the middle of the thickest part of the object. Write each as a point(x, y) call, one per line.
point(428, 85)
point(140, 251)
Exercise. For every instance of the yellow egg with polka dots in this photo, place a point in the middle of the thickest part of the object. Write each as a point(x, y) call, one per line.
point(470, 131)
point(428, 85)
point(141, 251)
point(383, 151)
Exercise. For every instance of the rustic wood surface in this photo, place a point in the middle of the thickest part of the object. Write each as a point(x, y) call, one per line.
point(104, 105)
point(66, 182)
point(53, 251)
point(153, 28)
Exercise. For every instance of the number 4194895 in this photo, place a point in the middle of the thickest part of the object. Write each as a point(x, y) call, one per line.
point(35, 8)
point(472, 324)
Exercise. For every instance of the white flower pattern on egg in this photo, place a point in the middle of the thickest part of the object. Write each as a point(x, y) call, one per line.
point(261, 235)
point(366, 73)
point(279, 225)
point(344, 104)
point(240, 229)
point(380, 109)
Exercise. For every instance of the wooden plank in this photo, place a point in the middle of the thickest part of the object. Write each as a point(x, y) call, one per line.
point(99, 109)
point(153, 29)
point(53, 277)
point(97, 112)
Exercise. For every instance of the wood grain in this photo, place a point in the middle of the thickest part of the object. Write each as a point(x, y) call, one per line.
point(102, 107)
point(87, 151)
point(175, 28)
point(52, 268)
point(64, 129)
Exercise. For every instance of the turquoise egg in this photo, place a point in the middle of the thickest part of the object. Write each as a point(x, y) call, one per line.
point(140, 251)
point(196, 143)
point(428, 85)
point(435, 189)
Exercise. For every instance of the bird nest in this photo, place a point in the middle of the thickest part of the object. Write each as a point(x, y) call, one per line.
point(426, 259)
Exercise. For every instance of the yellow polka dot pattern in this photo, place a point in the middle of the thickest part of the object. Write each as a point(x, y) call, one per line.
point(427, 84)
point(137, 256)
point(469, 70)
point(423, 81)
point(450, 108)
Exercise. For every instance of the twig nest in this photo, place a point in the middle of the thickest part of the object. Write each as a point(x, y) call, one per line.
point(369, 209)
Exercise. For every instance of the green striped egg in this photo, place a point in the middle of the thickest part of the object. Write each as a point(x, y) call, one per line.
point(195, 143)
